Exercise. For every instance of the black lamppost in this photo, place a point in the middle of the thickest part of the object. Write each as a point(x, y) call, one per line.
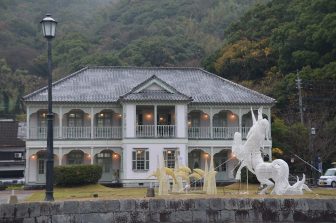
point(48, 30)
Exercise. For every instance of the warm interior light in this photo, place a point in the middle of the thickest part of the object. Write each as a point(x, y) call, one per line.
point(169, 152)
point(119, 115)
point(206, 116)
point(88, 156)
point(139, 151)
point(33, 157)
point(43, 115)
point(149, 116)
point(101, 115)
point(232, 117)
point(206, 155)
point(189, 123)
point(161, 119)
point(72, 115)
point(115, 156)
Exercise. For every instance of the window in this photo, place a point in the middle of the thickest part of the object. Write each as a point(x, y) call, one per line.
point(42, 119)
point(169, 157)
point(75, 119)
point(104, 119)
point(41, 163)
point(140, 159)
point(75, 157)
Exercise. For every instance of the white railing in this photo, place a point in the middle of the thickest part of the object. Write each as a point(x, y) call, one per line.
point(155, 131)
point(166, 131)
point(199, 132)
point(76, 132)
point(107, 133)
point(224, 132)
point(245, 131)
point(217, 132)
point(145, 130)
point(42, 132)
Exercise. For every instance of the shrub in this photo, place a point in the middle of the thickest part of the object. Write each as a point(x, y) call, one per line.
point(72, 175)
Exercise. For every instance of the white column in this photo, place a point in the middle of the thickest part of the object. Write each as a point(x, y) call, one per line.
point(60, 122)
point(92, 118)
point(130, 122)
point(27, 169)
point(211, 125)
point(91, 153)
point(270, 121)
point(181, 121)
point(60, 155)
point(155, 119)
point(28, 121)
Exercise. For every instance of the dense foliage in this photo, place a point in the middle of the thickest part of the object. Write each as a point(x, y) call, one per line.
point(268, 49)
point(263, 44)
point(71, 175)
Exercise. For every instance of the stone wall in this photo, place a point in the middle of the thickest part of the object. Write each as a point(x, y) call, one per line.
point(173, 210)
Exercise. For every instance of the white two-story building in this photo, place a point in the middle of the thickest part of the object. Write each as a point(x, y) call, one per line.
point(126, 118)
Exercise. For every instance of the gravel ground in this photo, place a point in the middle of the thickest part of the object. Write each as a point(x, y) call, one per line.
point(22, 194)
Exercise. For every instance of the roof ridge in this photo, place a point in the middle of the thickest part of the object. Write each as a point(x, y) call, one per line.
point(56, 82)
point(138, 67)
point(237, 85)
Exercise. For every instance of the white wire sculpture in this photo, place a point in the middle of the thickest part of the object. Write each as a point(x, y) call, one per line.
point(249, 155)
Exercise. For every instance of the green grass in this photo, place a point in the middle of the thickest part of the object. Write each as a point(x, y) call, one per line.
point(15, 187)
point(86, 192)
point(231, 191)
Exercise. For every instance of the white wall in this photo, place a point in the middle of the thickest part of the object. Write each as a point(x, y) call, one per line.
point(129, 116)
point(155, 152)
point(181, 120)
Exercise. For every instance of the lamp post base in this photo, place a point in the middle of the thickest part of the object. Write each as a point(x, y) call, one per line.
point(49, 196)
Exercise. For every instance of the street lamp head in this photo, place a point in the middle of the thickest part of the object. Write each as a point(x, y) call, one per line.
point(48, 27)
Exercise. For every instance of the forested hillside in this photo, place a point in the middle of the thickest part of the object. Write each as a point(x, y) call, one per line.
point(107, 32)
point(262, 44)
point(268, 49)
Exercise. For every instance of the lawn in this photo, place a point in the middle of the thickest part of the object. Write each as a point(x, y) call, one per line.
point(231, 191)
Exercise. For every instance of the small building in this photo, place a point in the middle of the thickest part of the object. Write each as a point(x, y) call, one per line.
point(126, 118)
point(12, 153)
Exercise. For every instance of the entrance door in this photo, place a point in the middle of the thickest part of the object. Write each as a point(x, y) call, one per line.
point(41, 170)
point(104, 159)
point(220, 162)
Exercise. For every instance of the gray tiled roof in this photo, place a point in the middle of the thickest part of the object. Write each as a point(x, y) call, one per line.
point(108, 84)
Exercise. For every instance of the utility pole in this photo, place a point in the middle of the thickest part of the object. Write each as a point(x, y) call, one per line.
point(298, 81)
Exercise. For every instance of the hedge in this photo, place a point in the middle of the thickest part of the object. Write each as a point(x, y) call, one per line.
point(72, 175)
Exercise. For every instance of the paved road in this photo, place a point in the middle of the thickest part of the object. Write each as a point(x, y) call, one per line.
point(22, 195)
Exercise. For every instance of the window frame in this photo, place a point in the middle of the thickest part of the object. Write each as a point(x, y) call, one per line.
point(170, 163)
point(140, 159)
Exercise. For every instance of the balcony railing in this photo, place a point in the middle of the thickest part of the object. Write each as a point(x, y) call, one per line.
point(107, 133)
point(77, 133)
point(216, 133)
point(161, 131)
point(41, 132)
point(224, 132)
point(199, 132)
